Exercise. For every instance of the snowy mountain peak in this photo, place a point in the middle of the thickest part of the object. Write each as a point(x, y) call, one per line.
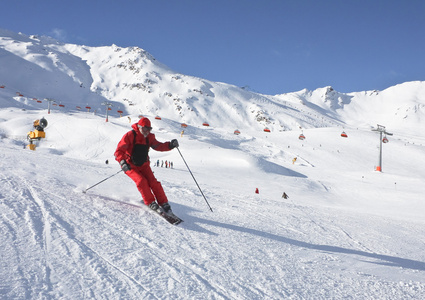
point(136, 83)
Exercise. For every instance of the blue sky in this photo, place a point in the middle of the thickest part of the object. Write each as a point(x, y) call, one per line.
point(270, 46)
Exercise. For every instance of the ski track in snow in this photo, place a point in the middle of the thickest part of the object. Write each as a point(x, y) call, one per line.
point(73, 245)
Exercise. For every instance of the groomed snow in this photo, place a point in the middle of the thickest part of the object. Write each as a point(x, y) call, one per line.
point(346, 231)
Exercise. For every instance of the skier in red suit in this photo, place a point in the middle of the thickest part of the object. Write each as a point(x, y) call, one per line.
point(132, 154)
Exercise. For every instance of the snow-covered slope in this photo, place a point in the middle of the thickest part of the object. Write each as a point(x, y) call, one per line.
point(345, 231)
point(135, 83)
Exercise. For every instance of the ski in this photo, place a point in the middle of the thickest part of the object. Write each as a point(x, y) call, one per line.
point(169, 217)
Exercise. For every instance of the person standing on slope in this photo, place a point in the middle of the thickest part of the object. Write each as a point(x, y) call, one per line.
point(132, 155)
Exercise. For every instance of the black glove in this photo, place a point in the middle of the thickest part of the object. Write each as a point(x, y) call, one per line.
point(174, 143)
point(125, 166)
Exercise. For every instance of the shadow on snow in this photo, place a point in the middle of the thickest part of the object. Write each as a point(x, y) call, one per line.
point(191, 220)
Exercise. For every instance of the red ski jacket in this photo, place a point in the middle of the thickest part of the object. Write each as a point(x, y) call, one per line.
point(128, 143)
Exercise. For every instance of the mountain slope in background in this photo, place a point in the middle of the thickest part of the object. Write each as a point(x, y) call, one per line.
point(345, 231)
point(135, 83)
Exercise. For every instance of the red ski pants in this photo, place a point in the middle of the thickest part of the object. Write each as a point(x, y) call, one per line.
point(146, 183)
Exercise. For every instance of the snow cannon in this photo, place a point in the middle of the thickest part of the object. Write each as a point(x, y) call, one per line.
point(42, 123)
point(38, 132)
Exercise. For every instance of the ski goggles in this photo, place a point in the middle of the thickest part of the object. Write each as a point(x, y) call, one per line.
point(144, 128)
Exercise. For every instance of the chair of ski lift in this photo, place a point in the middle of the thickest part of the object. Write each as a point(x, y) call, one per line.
point(301, 137)
point(343, 134)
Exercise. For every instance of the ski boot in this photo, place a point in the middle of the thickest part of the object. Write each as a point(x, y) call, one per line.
point(155, 207)
point(167, 208)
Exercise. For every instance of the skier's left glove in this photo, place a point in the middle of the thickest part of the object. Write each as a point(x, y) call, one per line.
point(174, 144)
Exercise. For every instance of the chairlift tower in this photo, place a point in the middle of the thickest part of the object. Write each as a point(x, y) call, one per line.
point(49, 101)
point(381, 130)
point(108, 105)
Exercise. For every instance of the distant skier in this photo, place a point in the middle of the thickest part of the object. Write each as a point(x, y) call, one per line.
point(132, 154)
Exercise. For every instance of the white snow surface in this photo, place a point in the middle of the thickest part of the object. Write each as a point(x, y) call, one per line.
point(346, 230)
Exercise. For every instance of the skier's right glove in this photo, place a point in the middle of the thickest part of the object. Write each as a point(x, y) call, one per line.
point(125, 166)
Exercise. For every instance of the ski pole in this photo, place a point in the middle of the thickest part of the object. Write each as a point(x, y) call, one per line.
point(101, 181)
point(194, 179)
